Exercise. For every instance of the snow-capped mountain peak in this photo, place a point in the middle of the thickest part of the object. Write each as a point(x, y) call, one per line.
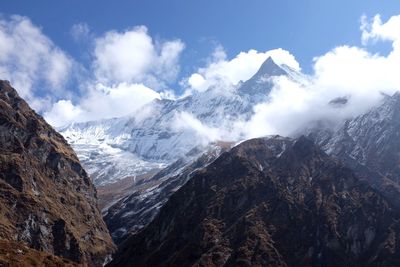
point(270, 68)
point(172, 128)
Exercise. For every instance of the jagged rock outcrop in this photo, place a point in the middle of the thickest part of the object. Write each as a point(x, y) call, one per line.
point(270, 202)
point(47, 201)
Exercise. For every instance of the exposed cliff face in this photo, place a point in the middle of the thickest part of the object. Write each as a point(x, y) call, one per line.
point(270, 202)
point(47, 200)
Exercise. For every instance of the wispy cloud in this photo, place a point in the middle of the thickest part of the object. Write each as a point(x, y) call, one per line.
point(102, 102)
point(32, 62)
point(80, 31)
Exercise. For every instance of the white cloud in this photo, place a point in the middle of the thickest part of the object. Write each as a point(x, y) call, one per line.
point(114, 85)
point(240, 68)
point(132, 56)
point(284, 112)
point(345, 71)
point(31, 61)
point(80, 31)
point(351, 72)
point(204, 133)
point(198, 82)
point(377, 30)
point(125, 64)
point(102, 102)
point(61, 112)
point(128, 64)
point(166, 63)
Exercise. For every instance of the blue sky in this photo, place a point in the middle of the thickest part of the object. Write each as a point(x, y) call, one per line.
point(306, 28)
point(194, 35)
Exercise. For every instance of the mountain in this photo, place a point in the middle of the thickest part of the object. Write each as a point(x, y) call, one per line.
point(261, 83)
point(14, 254)
point(369, 144)
point(162, 131)
point(270, 202)
point(135, 160)
point(48, 204)
point(138, 208)
point(122, 154)
point(371, 139)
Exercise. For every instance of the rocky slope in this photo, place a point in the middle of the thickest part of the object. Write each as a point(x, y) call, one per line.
point(14, 254)
point(369, 143)
point(371, 139)
point(270, 202)
point(136, 210)
point(47, 200)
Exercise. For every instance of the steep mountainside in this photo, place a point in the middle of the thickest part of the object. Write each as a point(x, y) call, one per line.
point(370, 145)
point(157, 136)
point(140, 206)
point(14, 254)
point(371, 139)
point(47, 201)
point(270, 202)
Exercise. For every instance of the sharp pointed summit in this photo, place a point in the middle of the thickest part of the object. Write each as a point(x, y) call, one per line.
point(261, 84)
point(270, 68)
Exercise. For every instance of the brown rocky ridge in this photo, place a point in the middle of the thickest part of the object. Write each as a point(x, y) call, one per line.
point(270, 202)
point(48, 204)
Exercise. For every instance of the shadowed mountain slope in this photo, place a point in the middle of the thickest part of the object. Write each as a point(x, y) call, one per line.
point(47, 201)
point(270, 202)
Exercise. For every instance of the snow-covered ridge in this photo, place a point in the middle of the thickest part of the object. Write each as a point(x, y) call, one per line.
point(167, 130)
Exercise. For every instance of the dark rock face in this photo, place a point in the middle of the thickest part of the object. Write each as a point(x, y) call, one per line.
point(270, 202)
point(47, 201)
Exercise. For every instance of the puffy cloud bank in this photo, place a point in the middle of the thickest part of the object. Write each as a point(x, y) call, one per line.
point(132, 56)
point(348, 73)
point(129, 69)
